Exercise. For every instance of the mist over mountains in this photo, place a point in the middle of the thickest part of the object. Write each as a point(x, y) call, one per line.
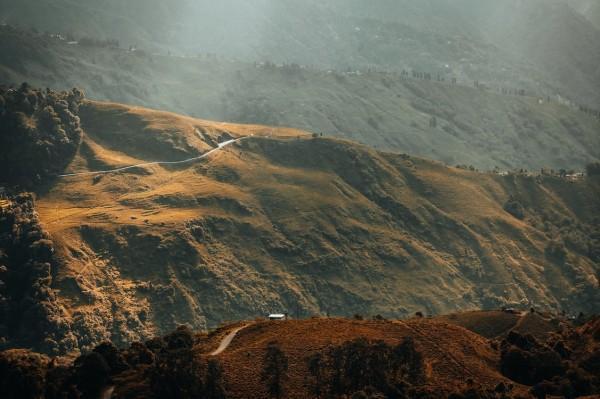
point(549, 46)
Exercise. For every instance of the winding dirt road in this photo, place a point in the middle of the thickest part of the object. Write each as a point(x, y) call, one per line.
point(227, 340)
point(206, 154)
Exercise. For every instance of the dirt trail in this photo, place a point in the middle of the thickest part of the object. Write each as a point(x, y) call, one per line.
point(227, 340)
point(206, 154)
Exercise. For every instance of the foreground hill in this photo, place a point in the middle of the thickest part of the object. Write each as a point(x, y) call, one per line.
point(276, 221)
point(322, 357)
point(453, 123)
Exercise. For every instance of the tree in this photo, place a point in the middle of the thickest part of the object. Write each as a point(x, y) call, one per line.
point(92, 373)
point(315, 368)
point(593, 169)
point(515, 208)
point(275, 370)
point(433, 122)
point(213, 386)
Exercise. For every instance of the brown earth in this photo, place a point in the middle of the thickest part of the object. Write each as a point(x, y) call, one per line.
point(282, 221)
point(454, 360)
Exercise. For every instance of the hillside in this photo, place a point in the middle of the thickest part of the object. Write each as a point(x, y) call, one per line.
point(472, 126)
point(282, 221)
point(538, 43)
point(320, 357)
point(590, 10)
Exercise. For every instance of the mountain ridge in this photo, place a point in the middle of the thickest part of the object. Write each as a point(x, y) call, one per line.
point(454, 123)
point(400, 215)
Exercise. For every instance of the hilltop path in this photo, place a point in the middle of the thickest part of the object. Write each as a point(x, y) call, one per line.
point(227, 340)
point(206, 154)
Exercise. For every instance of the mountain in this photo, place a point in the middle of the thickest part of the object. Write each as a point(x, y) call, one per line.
point(541, 45)
point(590, 10)
point(453, 123)
point(276, 221)
point(325, 357)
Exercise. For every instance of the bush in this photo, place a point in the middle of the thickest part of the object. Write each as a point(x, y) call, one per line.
point(593, 169)
point(22, 376)
point(92, 373)
point(113, 357)
point(515, 208)
point(556, 251)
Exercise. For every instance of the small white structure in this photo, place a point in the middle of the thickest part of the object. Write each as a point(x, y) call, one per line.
point(277, 316)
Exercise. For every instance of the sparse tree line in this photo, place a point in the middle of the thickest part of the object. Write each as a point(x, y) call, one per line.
point(591, 170)
point(362, 367)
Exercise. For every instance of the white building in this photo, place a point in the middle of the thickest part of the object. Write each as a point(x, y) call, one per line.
point(278, 316)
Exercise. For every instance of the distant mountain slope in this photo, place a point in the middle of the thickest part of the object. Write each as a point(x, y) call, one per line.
point(561, 43)
point(471, 126)
point(590, 9)
point(282, 221)
point(539, 43)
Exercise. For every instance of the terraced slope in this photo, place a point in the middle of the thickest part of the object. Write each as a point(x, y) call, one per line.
point(282, 221)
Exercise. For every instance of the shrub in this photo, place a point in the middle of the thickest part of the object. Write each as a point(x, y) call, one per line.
point(92, 373)
point(21, 376)
point(593, 169)
point(113, 357)
point(555, 250)
point(515, 208)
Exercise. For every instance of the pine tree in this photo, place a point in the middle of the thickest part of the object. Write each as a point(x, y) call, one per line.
point(275, 370)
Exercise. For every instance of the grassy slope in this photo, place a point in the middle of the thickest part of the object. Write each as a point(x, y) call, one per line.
point(474, 127)
point(291, 223)
point(450, 353)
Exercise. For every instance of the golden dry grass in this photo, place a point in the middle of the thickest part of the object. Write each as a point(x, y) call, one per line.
point(281, 221)
point(451, 354)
